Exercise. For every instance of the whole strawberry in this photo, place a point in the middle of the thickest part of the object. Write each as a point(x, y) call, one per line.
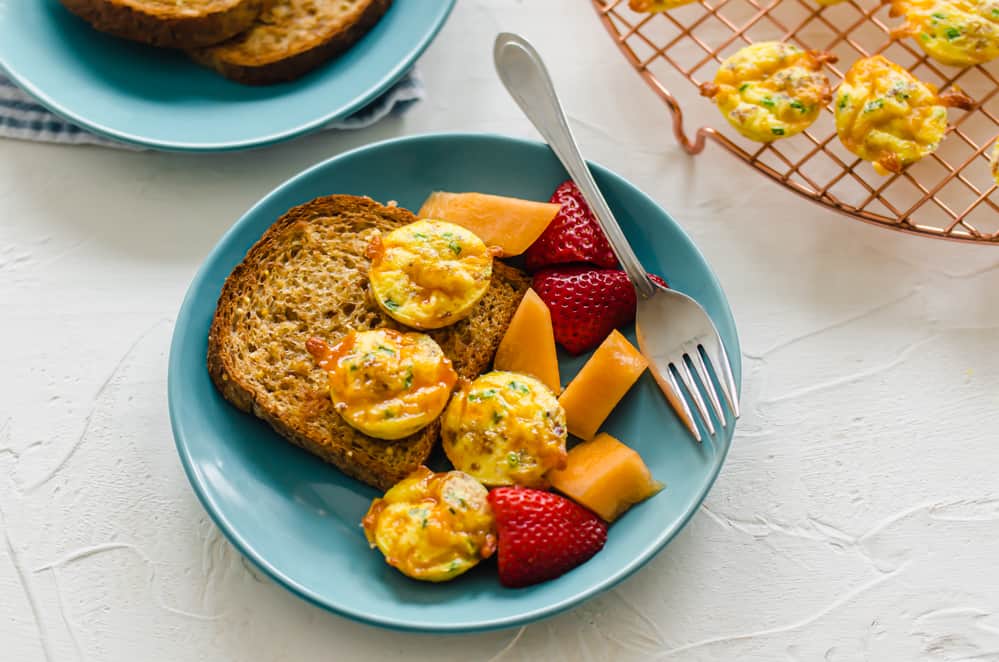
point(586, 304)
point(573, 235)
point(542, 535)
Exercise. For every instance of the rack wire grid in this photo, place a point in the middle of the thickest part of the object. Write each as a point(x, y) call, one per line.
point(945, 195)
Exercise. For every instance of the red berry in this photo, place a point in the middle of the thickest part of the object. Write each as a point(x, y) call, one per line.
point(572, 236)
point(542, 535)
point(586, 304)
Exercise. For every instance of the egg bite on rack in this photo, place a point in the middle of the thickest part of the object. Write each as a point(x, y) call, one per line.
point(887, 116)
point(960, 33)
point(652, 6)
point(995, 161)
point(771, 89)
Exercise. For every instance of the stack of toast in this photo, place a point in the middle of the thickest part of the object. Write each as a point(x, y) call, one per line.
point(255, 42)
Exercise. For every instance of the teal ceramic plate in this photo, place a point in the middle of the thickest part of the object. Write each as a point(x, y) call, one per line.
point(160, 99)
point(298, 518)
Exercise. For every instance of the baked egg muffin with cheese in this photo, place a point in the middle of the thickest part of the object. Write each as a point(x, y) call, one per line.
point(385, 383)
point(771, 90)
point(429, 274)
point(887, 116)
point(960, 33)
point(432, 526)
point(505, 428)
point(653, 6)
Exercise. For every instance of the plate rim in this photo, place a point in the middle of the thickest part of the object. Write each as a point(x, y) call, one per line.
point(181, 335)
point(376, 89)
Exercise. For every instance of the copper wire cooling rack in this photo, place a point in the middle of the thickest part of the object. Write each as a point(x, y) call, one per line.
point(950, 194)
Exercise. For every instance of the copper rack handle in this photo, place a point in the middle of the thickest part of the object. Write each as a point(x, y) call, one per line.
point(526, 78)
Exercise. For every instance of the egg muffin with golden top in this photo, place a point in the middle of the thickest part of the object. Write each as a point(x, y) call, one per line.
point(429, 274)
point(771, 90)
point(961, 33)
point(653, 6)
point(505, 428)
point(432, 526)
point(887, 116)
point(995, 161)
point(384, 383)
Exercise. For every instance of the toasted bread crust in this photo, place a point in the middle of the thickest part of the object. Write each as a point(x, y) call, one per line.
point(172, 27)
point(246, 61)
point(267, 310)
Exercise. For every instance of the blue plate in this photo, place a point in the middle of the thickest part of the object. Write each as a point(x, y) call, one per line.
point(161, 99)
point(298, 518)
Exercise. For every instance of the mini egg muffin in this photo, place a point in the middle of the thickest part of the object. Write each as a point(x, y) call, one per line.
point(432, 526)
point(652, 6)
point(961, 33)
point(771, 90)
point(505, 428)
point(995, 161)
point(887, 116)
point(384, 383)
point(429, 274)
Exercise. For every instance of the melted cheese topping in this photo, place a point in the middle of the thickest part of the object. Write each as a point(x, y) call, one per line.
point(384, 383)
point(431, 526)
point(429, 274)
point(961, 33)
point(770, 90)
point(505, 429)
point(886, 116)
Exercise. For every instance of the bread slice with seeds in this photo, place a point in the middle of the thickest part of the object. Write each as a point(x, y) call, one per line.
point(291, 38)
point(170, 23)
point(307, 276)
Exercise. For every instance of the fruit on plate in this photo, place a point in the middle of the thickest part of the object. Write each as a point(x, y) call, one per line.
point(605, 476)
point(586, 304)
point(429, 274)
point(307, 276)
point(432, 526)
point(542, 535)
point(511, 224)
point(505, 428)
point(528, 346)
point(573, 236)
point(384, 383)
point(600, 384)
point(887, 116)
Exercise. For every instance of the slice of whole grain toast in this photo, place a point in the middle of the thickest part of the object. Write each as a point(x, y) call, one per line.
point(307, 276)
point(291, 38)
point(170, 23)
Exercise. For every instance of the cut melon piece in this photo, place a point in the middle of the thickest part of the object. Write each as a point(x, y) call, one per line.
point(605, 476)
point(511, 224)
point(528, 346)
point(589, 398)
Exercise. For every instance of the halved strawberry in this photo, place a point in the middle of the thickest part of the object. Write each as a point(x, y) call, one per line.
point(586, 304)
point(542, 535)
point(573, 235)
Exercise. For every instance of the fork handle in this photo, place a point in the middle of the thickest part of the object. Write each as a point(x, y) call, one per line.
point(526, 78)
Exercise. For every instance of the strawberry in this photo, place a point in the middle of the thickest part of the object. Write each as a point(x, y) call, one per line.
point(586, 304)
point(572, 236)
point(542, 535)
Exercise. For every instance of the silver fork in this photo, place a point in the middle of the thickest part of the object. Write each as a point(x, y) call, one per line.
point(674, 332)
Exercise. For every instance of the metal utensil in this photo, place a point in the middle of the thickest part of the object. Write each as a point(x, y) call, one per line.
point(674, 332)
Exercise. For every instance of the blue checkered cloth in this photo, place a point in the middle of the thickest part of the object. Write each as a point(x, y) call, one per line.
point(23, 118)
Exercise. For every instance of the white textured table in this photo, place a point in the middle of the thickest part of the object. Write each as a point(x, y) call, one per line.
point(857, 517)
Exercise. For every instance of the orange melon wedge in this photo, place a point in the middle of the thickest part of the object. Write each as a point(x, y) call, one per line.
point(605, 476)
point(601, 383)
point(528, 346)
point(511, 224)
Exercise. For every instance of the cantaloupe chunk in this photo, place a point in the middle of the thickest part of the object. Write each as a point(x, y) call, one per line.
point(589, 398)
point(528, 346)
point(605, 476)
point(511, 224)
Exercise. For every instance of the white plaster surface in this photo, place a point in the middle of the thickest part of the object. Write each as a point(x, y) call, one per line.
point(857, 517)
